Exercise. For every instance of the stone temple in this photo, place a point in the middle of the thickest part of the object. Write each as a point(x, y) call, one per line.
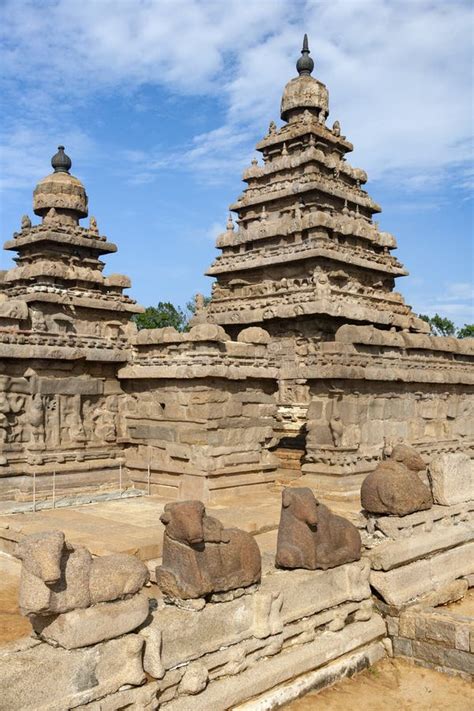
point(306, 362)
point(301, 459)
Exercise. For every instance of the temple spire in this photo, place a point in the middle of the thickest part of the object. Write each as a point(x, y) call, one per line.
point(305, 64)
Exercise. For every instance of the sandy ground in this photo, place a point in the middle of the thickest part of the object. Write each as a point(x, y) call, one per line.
point(392, 685)
point(12, 624)
point(463, 607)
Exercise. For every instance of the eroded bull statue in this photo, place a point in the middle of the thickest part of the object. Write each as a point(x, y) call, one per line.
point(57, 576)
point(394, 487)
point(311, 536)
point(201, 557)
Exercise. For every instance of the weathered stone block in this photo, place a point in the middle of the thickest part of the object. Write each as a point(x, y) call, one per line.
point(402, 647)
point(270, 671)
point(390, 554)
point(434, 629)
point(452, 478)
point(82, 628)
point(45, 678)
point(407, 582)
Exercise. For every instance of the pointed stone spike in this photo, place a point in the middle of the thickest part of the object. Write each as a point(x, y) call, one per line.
point(305, 64)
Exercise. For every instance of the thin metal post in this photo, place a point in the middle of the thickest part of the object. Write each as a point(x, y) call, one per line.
point(149, 472)
point(34, 491)
point(54, 489)
point(120, 477)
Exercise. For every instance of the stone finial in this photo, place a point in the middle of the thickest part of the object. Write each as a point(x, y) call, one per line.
point(201, 557)
point(93, 225)
point(230, 224)
point(336, 128)
point(311, 536)
point(61, 162)
point(305, 64)
point(199, 303)
point(25, 222)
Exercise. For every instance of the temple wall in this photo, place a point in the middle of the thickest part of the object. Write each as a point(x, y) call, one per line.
point(58, 417)
point(350, 427)
point(199, 438)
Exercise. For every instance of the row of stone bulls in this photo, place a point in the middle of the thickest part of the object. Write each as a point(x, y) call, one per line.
point(201, 557)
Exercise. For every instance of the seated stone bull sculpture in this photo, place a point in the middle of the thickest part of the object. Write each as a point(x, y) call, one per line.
point(311, 536)
point(394, 487)
point(57, 577)
point(201, 557)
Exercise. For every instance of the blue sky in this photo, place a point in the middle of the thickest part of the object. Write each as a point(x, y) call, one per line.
point(160, 104)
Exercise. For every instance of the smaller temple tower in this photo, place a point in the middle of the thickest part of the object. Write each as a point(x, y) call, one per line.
point(306, 256)
point(64, 330)
point(58, 286)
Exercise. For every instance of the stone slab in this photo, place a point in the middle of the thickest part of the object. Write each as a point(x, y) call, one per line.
point(396, 526)
point(268, 672)
point(400, 585)
point(99, 623)
point(452, 478)
point(391, 554)
point(44, 678)
point(328, 675)
point(187, 635)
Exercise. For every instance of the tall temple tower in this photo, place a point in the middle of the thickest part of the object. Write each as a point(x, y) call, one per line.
point(306, 256)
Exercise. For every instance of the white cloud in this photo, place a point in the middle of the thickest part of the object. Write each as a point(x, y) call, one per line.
point(455, 301)
point(398, 74)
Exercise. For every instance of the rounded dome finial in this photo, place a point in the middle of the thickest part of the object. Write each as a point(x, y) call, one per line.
point(305, 64)
point(61, 162)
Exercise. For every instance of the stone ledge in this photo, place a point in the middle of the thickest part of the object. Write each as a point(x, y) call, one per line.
point(225, 693)
point(99, 623)
point(40, 677)
point(283, 598)
point(328, 675)
point(392, 554)
point(405, 583)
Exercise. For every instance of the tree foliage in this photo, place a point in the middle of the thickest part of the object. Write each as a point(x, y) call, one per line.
point(467, 331)
point(167, 314)
point(161, 315)
point(441, 326)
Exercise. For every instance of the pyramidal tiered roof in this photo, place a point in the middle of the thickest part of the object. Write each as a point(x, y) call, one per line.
point(306, 255)
point(57, 287)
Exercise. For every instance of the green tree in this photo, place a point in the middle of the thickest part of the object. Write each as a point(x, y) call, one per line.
point(467, 331)
point(161, 315)
point(440, 326)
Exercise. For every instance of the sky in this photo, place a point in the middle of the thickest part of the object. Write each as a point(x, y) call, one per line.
point(160, 104)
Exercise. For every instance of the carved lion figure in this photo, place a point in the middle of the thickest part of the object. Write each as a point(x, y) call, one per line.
point(311, 536)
